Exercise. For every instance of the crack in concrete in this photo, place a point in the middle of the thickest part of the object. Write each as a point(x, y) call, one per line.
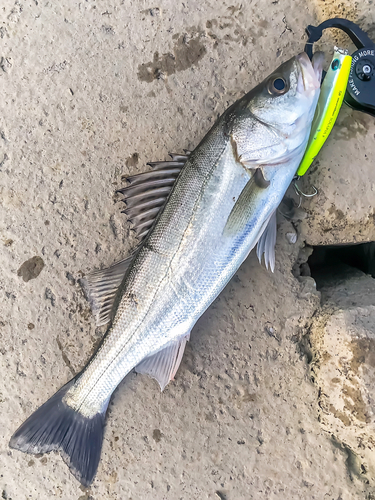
point(65, 358)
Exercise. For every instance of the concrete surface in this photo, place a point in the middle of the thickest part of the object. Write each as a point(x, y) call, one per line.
point(91, 91)
point(342, 337)
point(344, 174)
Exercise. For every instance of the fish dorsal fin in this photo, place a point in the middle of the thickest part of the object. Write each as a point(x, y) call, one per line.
point(100, 288)
point(146, 193)
point(267, 242)
point(163, 365)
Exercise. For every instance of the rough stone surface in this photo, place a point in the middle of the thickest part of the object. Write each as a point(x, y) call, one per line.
point(31, 268)
point(91, 91)
point(344, 174)
point(342, 338)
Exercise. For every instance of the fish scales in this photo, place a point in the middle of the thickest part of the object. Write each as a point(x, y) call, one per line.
point(223, 202)
point(132, 334)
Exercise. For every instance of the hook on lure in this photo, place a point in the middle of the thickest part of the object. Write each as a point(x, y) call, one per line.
point(301, 194)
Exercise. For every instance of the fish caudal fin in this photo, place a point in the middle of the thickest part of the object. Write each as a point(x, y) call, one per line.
point(57, 426)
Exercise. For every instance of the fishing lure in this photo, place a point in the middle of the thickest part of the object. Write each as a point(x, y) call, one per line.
point(349, 79)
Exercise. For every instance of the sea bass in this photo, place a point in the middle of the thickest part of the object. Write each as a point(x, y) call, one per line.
point(198, 217)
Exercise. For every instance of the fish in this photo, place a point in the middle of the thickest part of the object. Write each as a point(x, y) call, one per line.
point(197, 216)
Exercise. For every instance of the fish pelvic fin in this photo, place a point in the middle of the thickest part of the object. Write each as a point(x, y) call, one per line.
point(57, 426)
point(267, 242)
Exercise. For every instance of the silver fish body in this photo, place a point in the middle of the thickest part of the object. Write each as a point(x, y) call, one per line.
point(181, 268)
point(222, 203)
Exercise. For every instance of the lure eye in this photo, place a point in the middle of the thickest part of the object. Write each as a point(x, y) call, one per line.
point(277, 86)
point(335, 64)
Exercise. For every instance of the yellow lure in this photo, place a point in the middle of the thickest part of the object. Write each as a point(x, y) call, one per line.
point(330, 100)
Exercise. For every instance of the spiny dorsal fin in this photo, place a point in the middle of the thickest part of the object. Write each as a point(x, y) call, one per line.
point(163, 365)
point(146, 193)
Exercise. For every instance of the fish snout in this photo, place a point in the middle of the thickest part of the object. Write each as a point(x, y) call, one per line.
point(311, 72)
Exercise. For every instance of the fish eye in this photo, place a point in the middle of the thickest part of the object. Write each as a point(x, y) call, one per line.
point(277, 86)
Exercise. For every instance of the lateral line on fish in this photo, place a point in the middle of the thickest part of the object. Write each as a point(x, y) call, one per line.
point(169, 268)
point(198, 198)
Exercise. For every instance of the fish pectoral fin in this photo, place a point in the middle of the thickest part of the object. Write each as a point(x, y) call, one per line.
point(243, 208)
point(163, 365)
point(100, 288)
point(259, 178)
point(146, 193)
point(267, 242)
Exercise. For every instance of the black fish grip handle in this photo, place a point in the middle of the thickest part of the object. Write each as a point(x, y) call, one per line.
point(360, 92)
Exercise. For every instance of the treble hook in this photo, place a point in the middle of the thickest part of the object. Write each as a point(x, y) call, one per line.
point(301, 193)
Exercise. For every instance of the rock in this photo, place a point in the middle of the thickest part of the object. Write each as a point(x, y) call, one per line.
point(342, 339)
point(31, 268)
point(343, 210)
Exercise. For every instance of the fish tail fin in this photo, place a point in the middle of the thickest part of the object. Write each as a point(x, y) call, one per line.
point(57, 426)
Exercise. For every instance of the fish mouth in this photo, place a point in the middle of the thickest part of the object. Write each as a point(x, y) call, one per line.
point(311, 72)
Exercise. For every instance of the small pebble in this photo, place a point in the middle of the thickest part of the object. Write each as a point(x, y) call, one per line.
point(291, 237)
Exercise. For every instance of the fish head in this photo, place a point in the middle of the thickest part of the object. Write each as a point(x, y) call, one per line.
point(276, 115)
point(290, 92)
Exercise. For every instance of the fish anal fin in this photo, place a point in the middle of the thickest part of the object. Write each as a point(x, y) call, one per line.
point(163, 365)
point(101, 286)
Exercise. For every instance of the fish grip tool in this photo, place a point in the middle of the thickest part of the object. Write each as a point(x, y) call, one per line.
point(349, 79)
point(360, 90)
